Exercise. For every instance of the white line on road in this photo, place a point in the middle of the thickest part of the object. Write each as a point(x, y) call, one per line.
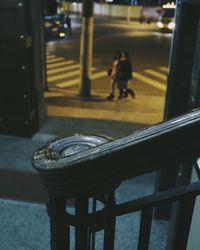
point(62, 69)
point(149, 81)
point(77, 81)
point(58, 59)
point(164, 69)
point(50, 56)
point(68, 83)
point(64, 75)
point(156, 74)
point(54, 65)
point(99, 74)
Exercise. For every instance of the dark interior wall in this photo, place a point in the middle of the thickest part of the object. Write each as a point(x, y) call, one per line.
point(21, 83)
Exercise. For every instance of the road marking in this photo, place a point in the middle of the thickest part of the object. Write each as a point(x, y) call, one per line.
point(62, 69)
point(58, 59)
point(164, 69)
point(156, 74)
point(54, 65)
point(77, 81)
point(99, 74)
point(149, 81)
point(68, 83)
point(50, 56)
point(64, 75)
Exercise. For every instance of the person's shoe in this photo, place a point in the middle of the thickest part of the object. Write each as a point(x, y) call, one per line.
point(126, 94)
point(131, 92)
point(110, 97)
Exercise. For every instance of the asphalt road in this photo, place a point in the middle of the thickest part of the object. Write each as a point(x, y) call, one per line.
point(149, 51)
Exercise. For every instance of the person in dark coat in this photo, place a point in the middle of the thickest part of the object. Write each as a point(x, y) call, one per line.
point(68, 23)
point(124, 75)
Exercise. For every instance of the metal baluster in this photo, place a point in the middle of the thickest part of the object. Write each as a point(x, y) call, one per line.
point(180, 223)
point(109, 231)
point(94, 206)
point(60, 234)
point(145, 228)
point(81, 229)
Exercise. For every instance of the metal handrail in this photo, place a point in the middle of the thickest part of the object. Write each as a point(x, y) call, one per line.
point(111, 162)
point(80, 167)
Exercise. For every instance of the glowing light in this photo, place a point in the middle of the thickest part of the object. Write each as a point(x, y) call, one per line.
point(171, 25)
point(160, 25)
point(61, 34)
point(169, 6)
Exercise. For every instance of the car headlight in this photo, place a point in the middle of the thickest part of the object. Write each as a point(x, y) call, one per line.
point(160, 25)
point(171, 25)
point(61, 34)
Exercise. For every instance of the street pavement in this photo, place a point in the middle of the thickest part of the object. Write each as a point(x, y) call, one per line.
point(63, 96)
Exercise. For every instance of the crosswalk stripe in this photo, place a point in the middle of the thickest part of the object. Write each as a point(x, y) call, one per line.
point(59, 59)
point(58, 65)
point(77, 81)
point(164, 69)
point(51, 66)
point(149, 81)
point(50, 56)
point(68, 83)
point(99, 74)
point(62, 76)
point(65, 75)
point(62, 69)
point(156, 74)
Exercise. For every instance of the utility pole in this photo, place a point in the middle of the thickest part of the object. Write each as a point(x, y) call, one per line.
point(86, 48)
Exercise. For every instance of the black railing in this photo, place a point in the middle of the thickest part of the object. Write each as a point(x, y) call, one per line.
point(84, 166)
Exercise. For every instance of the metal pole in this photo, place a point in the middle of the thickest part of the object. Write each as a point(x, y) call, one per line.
point(128, 14)
point(86, 48)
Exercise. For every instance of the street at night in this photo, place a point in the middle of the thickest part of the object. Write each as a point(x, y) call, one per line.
point(99, 124)
point(149, 51)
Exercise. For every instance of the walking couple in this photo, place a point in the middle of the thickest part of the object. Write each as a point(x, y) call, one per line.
point(121, 73)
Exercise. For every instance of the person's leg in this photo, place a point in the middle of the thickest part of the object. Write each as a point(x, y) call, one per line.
point(112, 95)
point(129, 91)
point(121, 86)
point(120, 94)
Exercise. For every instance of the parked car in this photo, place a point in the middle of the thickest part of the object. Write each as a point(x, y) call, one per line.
point(55, 27)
